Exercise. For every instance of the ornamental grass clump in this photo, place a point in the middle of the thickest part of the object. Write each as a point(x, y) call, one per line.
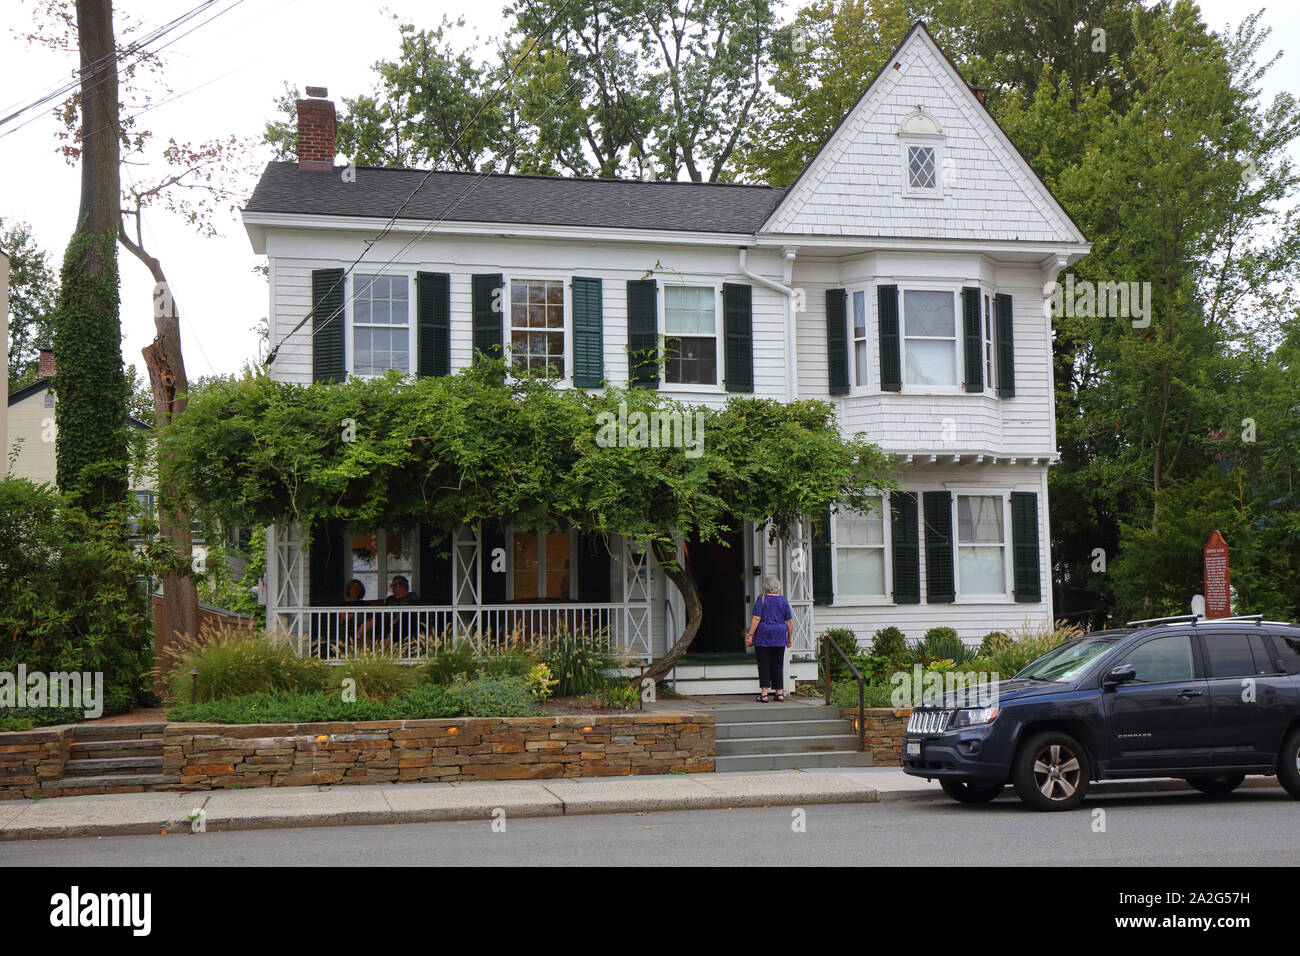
point(234, 662)
point(579, 663)
point(376, 676)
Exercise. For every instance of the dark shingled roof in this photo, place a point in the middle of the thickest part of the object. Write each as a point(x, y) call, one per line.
point(542, 200)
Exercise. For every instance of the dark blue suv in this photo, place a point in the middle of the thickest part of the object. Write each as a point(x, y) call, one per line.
point(1204, 701)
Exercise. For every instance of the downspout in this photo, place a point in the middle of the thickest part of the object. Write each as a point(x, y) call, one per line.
point(792, 362)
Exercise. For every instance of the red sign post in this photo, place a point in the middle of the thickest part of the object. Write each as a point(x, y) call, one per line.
point(1216, 577)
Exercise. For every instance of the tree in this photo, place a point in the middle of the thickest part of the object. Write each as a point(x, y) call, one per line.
point(33, 292)
point(471, 447)
point(91, 444)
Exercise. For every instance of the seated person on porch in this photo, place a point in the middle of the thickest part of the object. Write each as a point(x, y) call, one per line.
point(401, 627)
point(351, 624)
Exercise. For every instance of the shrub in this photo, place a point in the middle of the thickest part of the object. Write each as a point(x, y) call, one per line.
point(845, 694)
point(449, 663)
point(425, 702)
point(235, 662)
point(377, 676)
point(276, 707)
point(508, 697)
point(848, 643)
point(620, 695)
point(942, 643)
point(993, 642)
point(540, 682)
point(1030, 642)
point(579, 665)
point(889, 641)
point(511, 662)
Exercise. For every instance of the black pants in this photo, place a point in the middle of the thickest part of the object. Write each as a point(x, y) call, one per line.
point(771, 666)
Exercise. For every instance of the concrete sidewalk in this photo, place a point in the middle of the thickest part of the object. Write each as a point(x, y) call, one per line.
point(225, 810)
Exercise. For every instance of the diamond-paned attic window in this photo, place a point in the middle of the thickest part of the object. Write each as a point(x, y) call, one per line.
point(920, 167)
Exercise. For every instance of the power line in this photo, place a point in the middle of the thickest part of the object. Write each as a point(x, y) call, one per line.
point(392, 220)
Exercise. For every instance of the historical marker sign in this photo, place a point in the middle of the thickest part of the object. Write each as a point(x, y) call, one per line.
point(1216, 577)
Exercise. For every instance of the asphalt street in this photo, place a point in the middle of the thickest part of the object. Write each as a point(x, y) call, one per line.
point(1248, 828)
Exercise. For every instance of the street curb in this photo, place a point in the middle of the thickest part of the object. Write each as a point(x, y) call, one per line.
point(1101, 788)
point(553, 807)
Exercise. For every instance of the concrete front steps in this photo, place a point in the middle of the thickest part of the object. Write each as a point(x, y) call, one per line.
point(730, 674)
point(114, 758)
point(788, 736)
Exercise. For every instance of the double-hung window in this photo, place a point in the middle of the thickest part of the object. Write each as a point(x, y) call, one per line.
point(691, 335)
point(376, 557)
point(981, 544)
point(537, 325)
point(989, 384)
point(381, 324)
point(541, 566)
point(859, 540)
point(929, 338)
point(861, 356)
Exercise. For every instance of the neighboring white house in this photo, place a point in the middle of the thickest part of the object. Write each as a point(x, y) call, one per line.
point(901, 277)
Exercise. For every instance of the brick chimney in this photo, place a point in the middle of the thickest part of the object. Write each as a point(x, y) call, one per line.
point(317, 140)
point(980, 92)
point(46, 368)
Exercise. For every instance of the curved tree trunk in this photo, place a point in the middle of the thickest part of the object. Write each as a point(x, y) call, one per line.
point(685, 581)
point(180, 606)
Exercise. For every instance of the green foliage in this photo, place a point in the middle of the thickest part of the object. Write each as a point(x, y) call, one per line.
point(993, 642)
point(232, 662)
point(33, 291)
point(844, 693)
point(71, 592)
point(942, 643)
point(888, 641)
point(579, 665)
point(452, 661)
point(424, 702)
point(1027, 643)
point(540, 682)
point(847, 642)
point(511, 662)
point(377, 676)
point(486, 697)
point(620, 695)
point(91, 443)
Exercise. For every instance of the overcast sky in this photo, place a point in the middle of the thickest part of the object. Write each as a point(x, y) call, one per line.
point(229, 72)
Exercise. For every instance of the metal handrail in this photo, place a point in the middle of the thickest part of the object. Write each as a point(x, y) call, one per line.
point(862, 699)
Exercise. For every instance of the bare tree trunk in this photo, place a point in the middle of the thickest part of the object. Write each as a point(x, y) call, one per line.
point(180, 607)
point(100, 176)
point(685, 581)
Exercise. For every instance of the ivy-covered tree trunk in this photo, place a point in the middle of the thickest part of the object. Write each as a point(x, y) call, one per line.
point(681, 576)
point(91, 445)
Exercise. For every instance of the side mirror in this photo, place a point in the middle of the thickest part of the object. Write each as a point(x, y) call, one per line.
point(1120, 675)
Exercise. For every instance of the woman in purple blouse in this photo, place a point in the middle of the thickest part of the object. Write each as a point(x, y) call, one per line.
point(771, 631)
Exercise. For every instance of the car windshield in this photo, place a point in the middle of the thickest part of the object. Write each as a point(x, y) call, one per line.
point(1067, 662)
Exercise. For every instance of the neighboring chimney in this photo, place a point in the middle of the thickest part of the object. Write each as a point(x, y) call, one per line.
point(979, 92)
point(47, 363)
point(317, 141)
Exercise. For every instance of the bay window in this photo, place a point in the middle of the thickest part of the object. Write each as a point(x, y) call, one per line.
point(929, 338)
point(860, 353)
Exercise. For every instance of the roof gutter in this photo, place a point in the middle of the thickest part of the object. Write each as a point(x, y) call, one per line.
point(791, 363)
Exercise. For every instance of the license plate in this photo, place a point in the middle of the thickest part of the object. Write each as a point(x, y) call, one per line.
point(914, 748)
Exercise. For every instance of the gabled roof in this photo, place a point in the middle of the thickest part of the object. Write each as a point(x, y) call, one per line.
point(378, 192)
point(46, 384)
point(985, 133)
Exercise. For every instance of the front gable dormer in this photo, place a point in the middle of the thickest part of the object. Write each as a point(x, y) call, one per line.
point(919, 156)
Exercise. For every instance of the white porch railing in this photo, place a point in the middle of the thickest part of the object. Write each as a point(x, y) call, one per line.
point(413, 633)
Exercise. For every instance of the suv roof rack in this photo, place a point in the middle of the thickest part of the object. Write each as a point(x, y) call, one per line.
point(1183, 619)
point(1195, 619)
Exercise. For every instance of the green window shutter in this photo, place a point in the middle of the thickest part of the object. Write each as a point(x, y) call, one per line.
point(1024, 544)
point(970, 309)
point(588, 334)
point(738, 324)
point(488, 307)
point(939, 584)
point(434, 315)
point(837, 340)
point(643, 333)
point(823, 589)
point(328, 358)
point(1005, 347)
point(907, 550)
point(891, 363)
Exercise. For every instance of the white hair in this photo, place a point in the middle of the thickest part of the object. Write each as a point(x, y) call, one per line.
point(771, 584)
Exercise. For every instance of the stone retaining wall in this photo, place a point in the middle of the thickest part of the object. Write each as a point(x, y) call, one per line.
point(217, 756)
point(885, 730)
point(29, 758)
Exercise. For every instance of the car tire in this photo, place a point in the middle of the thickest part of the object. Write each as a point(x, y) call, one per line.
point(1051, 772)
point(1288, 764)
point(963, 792)
point(1218, 784)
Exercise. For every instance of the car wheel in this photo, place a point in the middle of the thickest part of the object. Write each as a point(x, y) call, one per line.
point(963, 792)
point(1219, 783)
point(1288, 764)
point(1051, 772)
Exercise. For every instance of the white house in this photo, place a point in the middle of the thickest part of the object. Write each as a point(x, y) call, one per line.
point(901, 277)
